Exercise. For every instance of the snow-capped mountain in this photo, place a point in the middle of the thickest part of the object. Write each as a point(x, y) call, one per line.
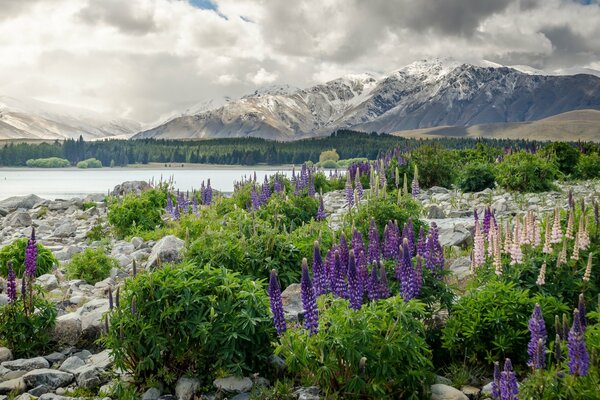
point(421, 95)
point(32, 119)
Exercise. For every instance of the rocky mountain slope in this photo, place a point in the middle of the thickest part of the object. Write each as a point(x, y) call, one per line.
point(424, 94)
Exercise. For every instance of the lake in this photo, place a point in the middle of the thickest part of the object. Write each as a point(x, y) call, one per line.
point(64, 183)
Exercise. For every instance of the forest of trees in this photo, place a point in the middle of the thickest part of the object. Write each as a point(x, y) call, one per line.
point(245, 151)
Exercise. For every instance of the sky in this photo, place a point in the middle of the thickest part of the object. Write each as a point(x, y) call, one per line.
point(146, 59)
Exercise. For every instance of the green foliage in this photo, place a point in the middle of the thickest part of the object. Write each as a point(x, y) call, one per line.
point(588, 166)
point(329, 155)
point(328, 164)
point(388, 333)
point(524, 172)
point(91, 265)
point(436, 166)
point(384, 210)
point(133, 214)
point(51, 162)
point(476, 177)
point(190, 320)
point(291, 212)
point(27, 335)
point(490, 323)
point(564, 155)
point(16, 252)
point(89, 163)
point(553, 384)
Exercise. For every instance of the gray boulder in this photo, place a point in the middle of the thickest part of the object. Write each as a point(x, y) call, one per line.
point(233, 384)
point(151, 394)
point(71, 364)
point(440, 391)
point(26, 364)
point(83, 325)
point(308, 393)
point(47, 281)
point(167, 249)
point(461, 267)
point(16, 385)
point(67, 229)
point(88, 377)
point(5, 354)
point(18, 219)
point(49, 377)
point(292, 302)
point(186, 388)
point(136, 187)
point(26, 202)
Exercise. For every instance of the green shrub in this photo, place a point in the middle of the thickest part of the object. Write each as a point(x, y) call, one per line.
point(27, 335)
point(329, 164)
point(16, 252)
point(132, 213)
point(388, 333)
point(91, 265)
point(588, 166)
point(490, 323)
point(291, 212)
point(524, 172)
point(436, 166)
point(51, 162)
point(89, 163)
point(384, 210)
point(190, 320)
point(564, 155)
point(329, 155)
point(476, 177)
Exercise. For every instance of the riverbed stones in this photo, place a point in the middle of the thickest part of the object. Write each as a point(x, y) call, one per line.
point(16, 386)
point(66, 229)
point(50, 377)
point(71, 364)
point(233, 384)
point(18, 219)
point(186, 388)
point(26, 364)
point(440, 391)
point(166, 250)
point(25, 202)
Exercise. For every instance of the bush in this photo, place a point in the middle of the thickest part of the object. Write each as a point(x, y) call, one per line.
point(27, 335)
point(132, 213)
point(329, 155)
point(388, 333)
point(51, 162)
point(564, 155)
point(524, 172)
point(190, 320)
point(329, 164)
point(16, 252)
point(291, 212)
point(89, 163)
point(436, 166)
point(490, 323)
point(91, 265)
point(588, 166)
point(476, 177)
point(384, 210)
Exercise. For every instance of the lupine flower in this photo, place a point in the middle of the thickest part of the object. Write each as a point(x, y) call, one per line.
point(508, 382)
point(408, 232)
point(373, 284)
point(541, 279)
point(579, 360)
point(374, 252)
point(588, 269)
point(557, 350)
point(344, 252)
point(194, 204)
point(321, 211)
point(309, 301)
point(311, 186)
point(31, 256)
point(354, 291)
point(581, 309)
point(556, 229)
point(415, 183)
point(384, 290)
point(547, 239)
point(276, 303)
point(487, 218)
point(537, 329)
point(349, 192)
point(358, 187)
point(319, 278)
point(254, 199)
point(496, 381)
point(169, 206)
point(277, 185)
point(390, 240)
point(339, 273)
point(363, 273)
point(357, 242)
point(478, 248)
point(11, 284)
point(405, 273)
point(422, 243)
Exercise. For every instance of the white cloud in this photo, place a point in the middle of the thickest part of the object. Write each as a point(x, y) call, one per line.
point(145, 58)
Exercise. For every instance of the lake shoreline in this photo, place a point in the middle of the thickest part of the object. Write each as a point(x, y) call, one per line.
point(165, 166)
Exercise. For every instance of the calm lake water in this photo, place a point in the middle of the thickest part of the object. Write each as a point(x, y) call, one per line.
point(72, 182)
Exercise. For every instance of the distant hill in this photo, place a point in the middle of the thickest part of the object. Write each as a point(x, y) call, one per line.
point(572, 125)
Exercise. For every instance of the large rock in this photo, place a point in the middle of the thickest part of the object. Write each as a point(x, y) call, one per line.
point(136, 187)
point(67, 330)
point(461, 267)
point(71, 364)
point(454, 231)
point(186, 388)
point(5, 354)
point(50, 377)
point(18, 219)
point(102, 360)
point(292, 302)
point(47, 281)
point(308, 393)
point(440, 391)
point(26, 202)
point(88, 377)
point(16, 386)
point(81, 326)
point(66, 229)
point(26, 364)
point(167, 249)
point(233, 384)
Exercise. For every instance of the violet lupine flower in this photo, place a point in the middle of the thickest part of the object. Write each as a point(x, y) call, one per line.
point(363, 273)
point(354, 290)
point(169, 206)
point(537, 329)
point(373, 284)
point(408, 232)
point(405, 273)
point(349, 192)
point(374, 251)
point(309, 301)
point(344, 252)
point(508, 382)
point(390, 241)
point(421, 243)
point(487, 219)
point(265, 192)
point(319, 278)
point(338, 276)
point(579, 359)
point(296, 188)
point(276, 303)
point(581, 309)
point(194, 204)
point(496, 381)
point(358, 186)
point(357, 242)
point(31, 256)
point(277, 185)
point(254, 199)
point(328, 269)
point(384, 290)
point(321, 215)
point(11, 284)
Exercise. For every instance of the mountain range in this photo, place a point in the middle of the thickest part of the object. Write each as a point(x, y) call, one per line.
point(424, 95)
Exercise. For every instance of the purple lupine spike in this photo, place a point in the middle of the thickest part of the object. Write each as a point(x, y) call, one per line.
point(358, 186)
point(176, 213)
point(169, 206)
point(321, 215)
point(408, 232)
point(373, 284)
point(328, 269)
point(354, 291)
point(487, 217)
point(508, 382)
point(579, 359)
point(384, 290)
point(418, 275)
point(31, 256)
point(581, 309)
point(309, 301)
point(11, 284)
point(363, 272)
point(339, 274)
point(357, 242)
point(496, 381)
point(265, 193)
point(422, 243)
point(344, 252)
point(254, 199)
point(277, 185)
point(406, 274)
point(349, 191)
point(537, 329)
point(194, 204)
point(296, 187)
point(391, 240)
point(319, 278)
point(435, 249)
point(209, 193)
point(276, 303)
point(374, 251)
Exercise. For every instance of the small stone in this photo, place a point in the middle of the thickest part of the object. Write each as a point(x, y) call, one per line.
point(55, 357)
point(166, 250)
point(26, 364)
point(5, 354)
point(16, 385)
point(308, 393)
point(233, 384)
point(50, 377)
point(71, 364)
point(440, 391)
point(102, 360)
point(151, 394)
point(292, 302)
point(39, 390)
point(471, 391)
point(186, 388)
point(48, 281)
point(88, 377)
point(241, 396)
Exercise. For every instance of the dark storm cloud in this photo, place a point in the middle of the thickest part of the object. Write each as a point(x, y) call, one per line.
point(120, 14)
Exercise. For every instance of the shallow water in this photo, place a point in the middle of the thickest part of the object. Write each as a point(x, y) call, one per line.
point(72, 182)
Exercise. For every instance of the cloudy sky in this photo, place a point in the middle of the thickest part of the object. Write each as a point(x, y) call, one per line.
point(144, 59)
